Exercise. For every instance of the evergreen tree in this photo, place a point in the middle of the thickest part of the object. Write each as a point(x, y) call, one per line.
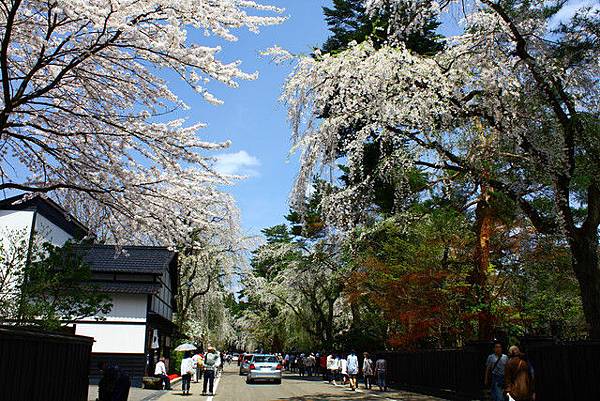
point(349, 21)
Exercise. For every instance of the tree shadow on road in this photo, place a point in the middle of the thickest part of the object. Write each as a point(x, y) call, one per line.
point(333, 397)
point(304, 378)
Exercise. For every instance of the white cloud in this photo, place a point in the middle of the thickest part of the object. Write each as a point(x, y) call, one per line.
point(238, 163)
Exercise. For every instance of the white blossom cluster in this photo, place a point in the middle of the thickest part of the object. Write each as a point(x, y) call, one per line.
point(83, 103)
point(472, 103)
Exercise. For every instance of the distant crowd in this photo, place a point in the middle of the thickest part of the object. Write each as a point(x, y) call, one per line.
point(339, 369)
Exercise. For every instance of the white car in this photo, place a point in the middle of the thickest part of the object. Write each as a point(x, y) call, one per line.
point(264, 367)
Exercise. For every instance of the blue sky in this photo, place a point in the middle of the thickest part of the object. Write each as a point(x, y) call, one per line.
point(252, 116)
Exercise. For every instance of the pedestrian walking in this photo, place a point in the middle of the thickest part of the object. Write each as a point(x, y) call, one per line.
point(310, 363)
point(114, 384)
point(160, 371)
point(332, 368)
point(301, 365)
point(187, 372)
point(352, 366)
point(380, 371)
point(519, 377)
point(198, 366)
point(494, 372)
point(108, 382)
point(212, 361)
point(368, 371)
point(323, 365)
point(343, 369)
point(221, 366)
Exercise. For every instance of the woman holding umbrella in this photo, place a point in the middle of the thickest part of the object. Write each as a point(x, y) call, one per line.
point(187, 367)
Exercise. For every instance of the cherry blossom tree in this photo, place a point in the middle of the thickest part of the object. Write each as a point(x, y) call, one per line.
point(83, 106)
point(511, 103)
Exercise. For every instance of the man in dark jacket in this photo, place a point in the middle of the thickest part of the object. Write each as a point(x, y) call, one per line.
point(114, 385)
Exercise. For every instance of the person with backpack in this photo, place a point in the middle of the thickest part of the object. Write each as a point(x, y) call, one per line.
point(212, 361)
point(519, 377)
point(494, 372)
point(368, 371)
point(199, 365)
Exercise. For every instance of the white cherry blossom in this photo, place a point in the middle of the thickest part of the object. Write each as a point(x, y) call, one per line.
point(84, 109)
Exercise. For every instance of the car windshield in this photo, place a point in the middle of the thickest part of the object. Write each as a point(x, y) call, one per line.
point(265, 358)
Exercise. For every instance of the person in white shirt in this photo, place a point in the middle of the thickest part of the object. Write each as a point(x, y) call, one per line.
point(332, 368)
point(187, 371)
point(343, 369)
point(352, 365)
point(160, 370)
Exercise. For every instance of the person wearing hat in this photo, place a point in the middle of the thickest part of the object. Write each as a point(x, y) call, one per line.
point(519, 376)
point(212, 361)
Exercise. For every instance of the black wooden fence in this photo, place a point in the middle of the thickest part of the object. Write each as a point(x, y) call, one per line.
point(563, 371)
point(42, 366)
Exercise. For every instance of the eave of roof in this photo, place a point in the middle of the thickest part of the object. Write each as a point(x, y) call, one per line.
point(127, 259)
point(126, 288)
point(48, 208)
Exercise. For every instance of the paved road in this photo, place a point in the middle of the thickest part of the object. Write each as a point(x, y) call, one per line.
point(232, 387)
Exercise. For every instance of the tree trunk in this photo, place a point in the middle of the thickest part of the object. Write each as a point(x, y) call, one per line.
point(483, 228)
point(329, 324)
point(585, 265)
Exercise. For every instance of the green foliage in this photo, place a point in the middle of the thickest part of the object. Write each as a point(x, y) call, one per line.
point(544, 291)
point(53, 287)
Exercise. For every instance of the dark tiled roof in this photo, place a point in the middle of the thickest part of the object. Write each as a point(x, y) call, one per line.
point(126, 288)
point(131, 259)
point(48, 208)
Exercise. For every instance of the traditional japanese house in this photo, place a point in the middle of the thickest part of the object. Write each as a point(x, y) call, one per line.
point(140, 280)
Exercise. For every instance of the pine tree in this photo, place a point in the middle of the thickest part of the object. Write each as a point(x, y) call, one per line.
point(349, 21)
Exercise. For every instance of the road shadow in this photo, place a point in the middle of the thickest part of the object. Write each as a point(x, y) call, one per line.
point(333, 397)
point(303, 378)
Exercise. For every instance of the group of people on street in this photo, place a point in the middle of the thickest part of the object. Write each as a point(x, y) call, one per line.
point(193, 366)
point(509, 377)
point(198, 366)
point(335, 367)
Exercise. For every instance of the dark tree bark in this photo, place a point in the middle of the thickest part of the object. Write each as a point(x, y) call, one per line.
point(479, 279)
point(584, 250)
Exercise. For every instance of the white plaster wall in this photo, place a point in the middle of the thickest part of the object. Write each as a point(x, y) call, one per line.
point(14, 222)
point(15, 229)
point(47, 231)
point(126, 308)
point(114, 338)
